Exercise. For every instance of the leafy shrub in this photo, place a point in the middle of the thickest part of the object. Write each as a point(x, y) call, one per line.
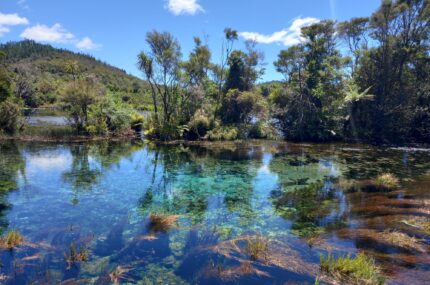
point(223, 133)
point(262, 130)
point(107, 117)
point(199, 125)
point(136, 122)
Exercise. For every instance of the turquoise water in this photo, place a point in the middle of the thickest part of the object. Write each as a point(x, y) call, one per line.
point(215, 200)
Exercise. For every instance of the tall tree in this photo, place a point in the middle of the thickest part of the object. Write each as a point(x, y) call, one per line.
point(161, 66)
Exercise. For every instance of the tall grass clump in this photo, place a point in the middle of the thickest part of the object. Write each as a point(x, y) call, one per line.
point(357, 270)
point(257, 248)
point(11, 240)
point(386, 180)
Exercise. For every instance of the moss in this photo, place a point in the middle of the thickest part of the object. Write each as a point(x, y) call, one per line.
point(11, 240)
point(358, 270)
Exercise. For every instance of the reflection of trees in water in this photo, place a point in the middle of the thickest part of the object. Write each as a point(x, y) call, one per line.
point(12, 165)
point(185, 180)
point(372, 162)
point(306, 195)
point(91, 160)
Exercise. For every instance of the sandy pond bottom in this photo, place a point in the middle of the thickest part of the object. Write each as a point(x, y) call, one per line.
point(112, 213)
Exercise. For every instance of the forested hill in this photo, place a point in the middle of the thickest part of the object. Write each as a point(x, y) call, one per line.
point(45, 70)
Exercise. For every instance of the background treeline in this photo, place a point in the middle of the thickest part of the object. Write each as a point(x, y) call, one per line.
point(39, 72)
point(365, 79)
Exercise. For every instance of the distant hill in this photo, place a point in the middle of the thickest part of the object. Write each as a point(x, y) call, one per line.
point(42, 67)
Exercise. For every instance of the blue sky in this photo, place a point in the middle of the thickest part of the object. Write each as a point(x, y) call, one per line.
point(114, 31)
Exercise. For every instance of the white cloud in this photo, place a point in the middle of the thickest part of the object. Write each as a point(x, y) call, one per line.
point(87, 44)
point(9, 20)
point(57, 34)
point(43, 33)
point(288, 37)
point(180, 7)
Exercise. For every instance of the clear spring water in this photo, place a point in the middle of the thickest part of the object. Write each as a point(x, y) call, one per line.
point(216, 200)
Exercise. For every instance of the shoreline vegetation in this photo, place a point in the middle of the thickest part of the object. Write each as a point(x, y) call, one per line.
point(362, 80)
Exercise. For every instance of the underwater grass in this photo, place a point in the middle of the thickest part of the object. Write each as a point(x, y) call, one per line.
point(401, 239)
point(357, 270)
point(75, 255)
point(119, 274)
point(257, 248)
point(162, 222)
point(11, 240)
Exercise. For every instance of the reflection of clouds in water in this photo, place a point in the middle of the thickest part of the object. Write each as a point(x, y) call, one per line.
point(58, 162)
point(264, 169)
point(330, 166)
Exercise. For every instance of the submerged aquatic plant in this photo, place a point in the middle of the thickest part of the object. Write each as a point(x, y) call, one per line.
point(119, 274)
point(421, 223)
point(11, 240)
point(162, 222)
point(75, 255)
point(402, 240)
point(257, 248)
point(357, 270)
point(386, 181)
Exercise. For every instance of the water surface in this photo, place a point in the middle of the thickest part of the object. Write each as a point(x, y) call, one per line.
point(99, 197)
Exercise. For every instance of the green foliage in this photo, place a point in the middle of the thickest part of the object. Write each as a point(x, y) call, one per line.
point(107, 117)
point(10, 117)
point(223, 133)
point(242, 107)
point(78, 97)
point(199, 125)
point(136, 121)
point(359, 270)
point(46, 71)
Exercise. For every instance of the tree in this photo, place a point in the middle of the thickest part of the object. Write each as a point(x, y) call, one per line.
point(244, 68)
point(195, 79)
point(307, 108)
point(10, 115)
point(396, 67)
point(161, 68)
point(355, 34)
point(219, 71)
point(78, 96)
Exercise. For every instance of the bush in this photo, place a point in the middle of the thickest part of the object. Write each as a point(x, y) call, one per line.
point(199, 125)
point(136, 122)
point(107, 117)
point(155, 128)
point(262, 130)
point(10, 117)
point(223, 133)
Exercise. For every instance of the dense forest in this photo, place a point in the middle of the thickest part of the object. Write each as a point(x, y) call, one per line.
point(361, 80)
